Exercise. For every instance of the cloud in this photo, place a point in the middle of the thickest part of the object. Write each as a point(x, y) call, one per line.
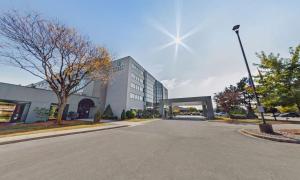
point(184, 82)
point(175, 83)
point(200, 87)
point(156, 69)
point(169, 83)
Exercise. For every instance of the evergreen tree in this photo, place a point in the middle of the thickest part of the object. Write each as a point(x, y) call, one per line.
point(123, 115)
point(108, 112)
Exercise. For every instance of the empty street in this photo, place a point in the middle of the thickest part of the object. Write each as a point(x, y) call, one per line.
point(160, 150)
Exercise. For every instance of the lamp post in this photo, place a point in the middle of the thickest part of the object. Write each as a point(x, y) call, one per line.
point(263, 127)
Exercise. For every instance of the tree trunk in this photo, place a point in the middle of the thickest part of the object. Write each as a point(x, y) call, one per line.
point(62, 102)
point(274, 116)
point(250, 113)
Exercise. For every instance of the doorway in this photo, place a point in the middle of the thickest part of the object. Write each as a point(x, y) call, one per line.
point(84, 107)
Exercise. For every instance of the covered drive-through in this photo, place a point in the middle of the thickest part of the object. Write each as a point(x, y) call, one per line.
point(205, 101)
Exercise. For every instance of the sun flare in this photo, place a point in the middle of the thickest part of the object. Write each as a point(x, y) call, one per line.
point(176, 39)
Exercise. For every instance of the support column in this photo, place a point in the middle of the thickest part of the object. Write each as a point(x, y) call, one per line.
point(204, 108)
point(171, 111)
point(161, 109)
point(210, 109)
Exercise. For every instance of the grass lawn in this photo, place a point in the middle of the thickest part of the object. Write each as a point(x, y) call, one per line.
point(22, 129)
point(253, 121)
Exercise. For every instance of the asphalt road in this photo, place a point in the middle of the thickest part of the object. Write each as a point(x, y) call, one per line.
point(160, 150)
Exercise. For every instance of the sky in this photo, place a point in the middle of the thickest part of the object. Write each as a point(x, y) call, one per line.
point(210, 57)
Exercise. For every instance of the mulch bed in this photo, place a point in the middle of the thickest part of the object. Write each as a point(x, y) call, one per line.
point(46, 123)
point(291, 131)
point(254, 121)
point(281, 135)
point(9, 128)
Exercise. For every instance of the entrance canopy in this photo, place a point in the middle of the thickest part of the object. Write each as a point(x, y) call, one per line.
point(206, 102)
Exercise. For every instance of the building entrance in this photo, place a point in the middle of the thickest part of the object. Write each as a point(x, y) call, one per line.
point(167, 107)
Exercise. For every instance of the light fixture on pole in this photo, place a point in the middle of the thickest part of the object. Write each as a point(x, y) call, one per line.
point(267, 128)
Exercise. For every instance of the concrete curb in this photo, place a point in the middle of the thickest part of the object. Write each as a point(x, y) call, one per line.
point(62, 134)
point(251, 134)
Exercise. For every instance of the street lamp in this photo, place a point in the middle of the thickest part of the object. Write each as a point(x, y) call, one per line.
point(267, 128)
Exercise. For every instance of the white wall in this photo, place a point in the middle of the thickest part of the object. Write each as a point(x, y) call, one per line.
point(117, 88)
point(38, 98)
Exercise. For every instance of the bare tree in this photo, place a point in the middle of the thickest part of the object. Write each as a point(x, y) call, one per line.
point(67, 61)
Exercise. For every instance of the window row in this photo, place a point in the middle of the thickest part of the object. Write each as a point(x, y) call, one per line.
point(135, 77)
point(137, 69)
point(149, 100)
point(149, 89)
point(136, 97)
point(150, 81)
point(117, 68)
point(137, 87)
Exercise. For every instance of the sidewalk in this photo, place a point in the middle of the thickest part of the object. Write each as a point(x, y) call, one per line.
point(42, 135)
point(296, 119)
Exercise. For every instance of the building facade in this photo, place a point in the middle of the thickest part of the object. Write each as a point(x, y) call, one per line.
point(130, 87)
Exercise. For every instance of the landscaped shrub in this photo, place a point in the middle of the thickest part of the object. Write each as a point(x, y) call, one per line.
point(147, 114)
point(108, 114)
point(139, 113)
point(238, 116)
point(237, 111)
point(286, 109)
point(131, 114)
point(97, 117)
point(53, 112)
point(150, 113)
point(123, 115)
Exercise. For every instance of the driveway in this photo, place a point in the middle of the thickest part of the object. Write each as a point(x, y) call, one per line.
point(160, 150)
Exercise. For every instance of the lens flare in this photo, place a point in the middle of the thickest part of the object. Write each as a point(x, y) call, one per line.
point(177, 39)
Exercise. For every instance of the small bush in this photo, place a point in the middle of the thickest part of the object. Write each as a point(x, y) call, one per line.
point(238, 111)
point(123, 115)
point(147, 114)
point(108, 114)
point(238, 116)
point(286, 109)
point(139, 113)
point(97, 117)
point(131, 114)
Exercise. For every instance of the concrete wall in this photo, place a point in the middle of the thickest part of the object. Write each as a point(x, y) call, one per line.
point(117, 87)
point(88, 90)
point(38, 98)
point(100, 91)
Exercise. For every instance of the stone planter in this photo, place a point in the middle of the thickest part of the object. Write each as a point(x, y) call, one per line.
point(266, 128)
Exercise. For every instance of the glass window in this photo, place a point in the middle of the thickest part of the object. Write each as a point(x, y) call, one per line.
point(6, 111)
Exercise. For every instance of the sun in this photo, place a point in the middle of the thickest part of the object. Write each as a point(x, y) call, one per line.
point(178, 40)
